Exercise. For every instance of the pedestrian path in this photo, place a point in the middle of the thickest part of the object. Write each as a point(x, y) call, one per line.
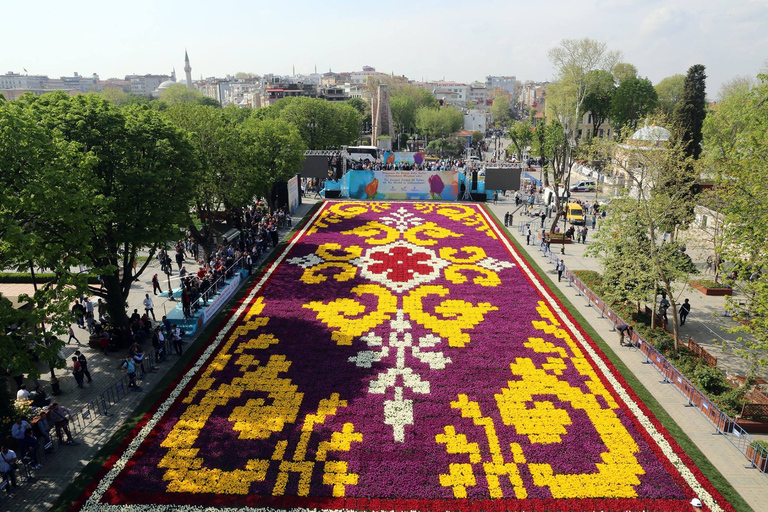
point(750, 483)
point(61, 469)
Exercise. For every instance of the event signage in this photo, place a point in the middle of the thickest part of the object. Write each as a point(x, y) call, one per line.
point(394, 185)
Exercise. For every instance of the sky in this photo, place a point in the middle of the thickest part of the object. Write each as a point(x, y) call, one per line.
point(421, 39)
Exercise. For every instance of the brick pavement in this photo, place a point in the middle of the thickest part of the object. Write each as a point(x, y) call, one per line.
point(59, 470)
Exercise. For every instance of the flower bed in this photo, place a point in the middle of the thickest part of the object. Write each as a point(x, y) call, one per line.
point(708, 287)
point(400, 356)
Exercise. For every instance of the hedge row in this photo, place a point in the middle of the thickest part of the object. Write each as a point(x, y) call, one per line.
point(41, 278)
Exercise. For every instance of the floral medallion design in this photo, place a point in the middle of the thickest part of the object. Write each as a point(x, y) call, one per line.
point(399, 356)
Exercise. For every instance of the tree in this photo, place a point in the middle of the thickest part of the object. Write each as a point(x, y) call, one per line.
point(140, 184)
point(736, 151)
point(634, 99)
point(689, 114)
point(623, 71)
point(637, 221)
point(225, 182)
point(277, 152)
point(669, 91)
point(403, 113)
point(41, 227)
point(599, 98)
point(438, 123)
point(551, 143)
point(521, 134)
point(573, 60)
point(322, 124)
point(177, 94)
point(500, 110)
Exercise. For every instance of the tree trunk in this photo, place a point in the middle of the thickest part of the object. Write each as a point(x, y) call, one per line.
point(115, 300)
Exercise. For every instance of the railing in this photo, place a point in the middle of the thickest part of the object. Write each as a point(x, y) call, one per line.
point(724, 425)
point(210, 293)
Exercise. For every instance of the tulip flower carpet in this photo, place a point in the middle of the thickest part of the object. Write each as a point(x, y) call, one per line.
point(399, 356)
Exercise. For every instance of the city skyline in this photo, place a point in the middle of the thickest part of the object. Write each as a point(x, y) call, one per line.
point(439, 40)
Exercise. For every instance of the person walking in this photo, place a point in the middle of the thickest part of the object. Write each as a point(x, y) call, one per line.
point(156, 285)
point(149, 307)
point(560, 270)
point(528, 236)
point(584, 235)
point(495, 196)
point(506, 219)
point(72, 336)
point(84, 364)
point(684, 310)
point(77, 371)
point(543, 216)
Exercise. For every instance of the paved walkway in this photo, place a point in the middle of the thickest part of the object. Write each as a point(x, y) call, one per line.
point(60, 470)
point(703, 324)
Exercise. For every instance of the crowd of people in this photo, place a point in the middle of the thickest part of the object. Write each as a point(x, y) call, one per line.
point(446, 164)
point(31, 437)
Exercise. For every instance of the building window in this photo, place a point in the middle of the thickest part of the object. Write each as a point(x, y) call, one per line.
point(601, 133)
point(579, 132)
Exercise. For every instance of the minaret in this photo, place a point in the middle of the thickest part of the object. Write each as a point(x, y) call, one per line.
point(187, 69)
point(173, 74)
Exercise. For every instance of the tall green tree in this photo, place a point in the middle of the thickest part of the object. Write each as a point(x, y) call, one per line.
point(634, 99)
point(573, 60)
point(438, 122)
point(599, 98)
point(736, 152)
point(140, 184)
point(276, 150)
point(225, 181)
point(521, 133)
point(500, 110)
point(42, 213)
point(670, 91)
point(637, 221)
point(623, 71)
point(689, 114)
point(322, 124)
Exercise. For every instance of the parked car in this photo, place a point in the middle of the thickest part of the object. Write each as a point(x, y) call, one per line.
point(584, 186)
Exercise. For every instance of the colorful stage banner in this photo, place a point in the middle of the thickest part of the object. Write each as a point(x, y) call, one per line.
point(402, 157)
point(392, 185)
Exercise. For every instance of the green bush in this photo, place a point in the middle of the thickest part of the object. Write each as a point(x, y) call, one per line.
point(731, 401)
point(41, 278)
point(593, 280)
point(710, 380)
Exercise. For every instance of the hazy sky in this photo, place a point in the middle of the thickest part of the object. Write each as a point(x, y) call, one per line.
point(428, 39)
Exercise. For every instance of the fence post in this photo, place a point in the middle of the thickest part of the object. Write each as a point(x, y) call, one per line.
point(664, 372)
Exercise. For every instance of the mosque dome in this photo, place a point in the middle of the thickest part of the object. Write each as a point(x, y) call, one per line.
point(163, 86)
point(651, 134)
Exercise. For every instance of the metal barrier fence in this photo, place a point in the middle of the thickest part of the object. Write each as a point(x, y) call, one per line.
point(756, 454)
point(209, 294)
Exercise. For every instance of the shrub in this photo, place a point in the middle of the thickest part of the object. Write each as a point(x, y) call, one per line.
point(41, 278)
point(710, 379)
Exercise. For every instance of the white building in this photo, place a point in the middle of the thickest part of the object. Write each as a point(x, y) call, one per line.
point(476, 121)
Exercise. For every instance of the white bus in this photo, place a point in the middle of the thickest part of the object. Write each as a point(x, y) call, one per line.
point(363, 153)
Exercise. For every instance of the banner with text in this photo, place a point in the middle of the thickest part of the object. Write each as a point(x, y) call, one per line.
point(293, 193)
point(392, 185)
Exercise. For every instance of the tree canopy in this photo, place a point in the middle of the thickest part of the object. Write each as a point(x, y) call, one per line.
point(669, 90)
point(689, 113)
point(736, 152)
point(438, 122)
point(599, 98)
point(623, 71)
point(500, 110)
point(634, 99)
point(322, 124)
